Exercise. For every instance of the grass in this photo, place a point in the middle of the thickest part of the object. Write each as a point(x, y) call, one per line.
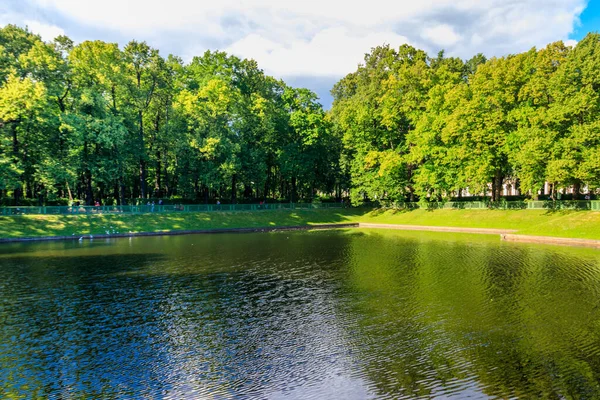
point(571, 224)
point(575, 224)
point(67, 225)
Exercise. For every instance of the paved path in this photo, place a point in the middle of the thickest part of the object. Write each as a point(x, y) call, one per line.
point(437, 228)
point(550, 240)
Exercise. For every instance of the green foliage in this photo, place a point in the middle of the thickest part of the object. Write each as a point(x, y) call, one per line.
point(100, 123)
point(432, 127)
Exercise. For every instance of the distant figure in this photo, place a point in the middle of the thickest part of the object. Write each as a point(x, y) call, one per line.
point(218, 203)
point(587, 196)
point(160, 202)
point(152, 208)
point(97, 203)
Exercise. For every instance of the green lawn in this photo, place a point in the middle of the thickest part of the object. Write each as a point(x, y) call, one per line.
point(577, 224)
point(580, 224)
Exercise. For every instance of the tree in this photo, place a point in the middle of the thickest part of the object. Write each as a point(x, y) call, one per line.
point(146, 73)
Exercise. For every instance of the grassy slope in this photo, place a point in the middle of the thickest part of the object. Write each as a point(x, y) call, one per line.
point(55, 225)
point(582, 224)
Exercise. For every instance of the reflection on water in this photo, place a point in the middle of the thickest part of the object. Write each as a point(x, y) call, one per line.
point(356, 314)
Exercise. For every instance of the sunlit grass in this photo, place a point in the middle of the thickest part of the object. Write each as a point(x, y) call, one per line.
point(580, 224)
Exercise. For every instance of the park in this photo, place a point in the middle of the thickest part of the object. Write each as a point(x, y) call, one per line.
point(194, 227)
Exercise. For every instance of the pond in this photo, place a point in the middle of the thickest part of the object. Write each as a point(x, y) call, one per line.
point(346, 314)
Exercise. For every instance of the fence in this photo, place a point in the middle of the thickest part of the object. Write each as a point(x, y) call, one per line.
point(90, 210)
point(503, 205)
point(507, 205)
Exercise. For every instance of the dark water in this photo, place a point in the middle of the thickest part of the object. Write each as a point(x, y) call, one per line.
point(337, 314)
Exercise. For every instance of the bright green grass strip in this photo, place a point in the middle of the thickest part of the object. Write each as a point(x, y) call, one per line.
point(577, 224)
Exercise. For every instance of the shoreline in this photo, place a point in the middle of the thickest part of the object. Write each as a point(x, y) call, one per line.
point(427, 228)
point(560, 241)
point(181, 232)
point(506, 235)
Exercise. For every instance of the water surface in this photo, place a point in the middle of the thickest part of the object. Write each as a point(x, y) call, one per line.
point(334, 314)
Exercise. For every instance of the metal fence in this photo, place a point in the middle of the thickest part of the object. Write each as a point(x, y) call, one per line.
point(91, 210)
point(502, 205)
point(506, 205)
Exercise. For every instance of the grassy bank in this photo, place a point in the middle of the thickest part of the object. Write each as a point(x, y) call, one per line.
point(576, 224)
point(66, 225)
point(572, 224)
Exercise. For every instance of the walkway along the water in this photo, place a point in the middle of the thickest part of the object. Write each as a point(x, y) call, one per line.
point(550, 240)
point(437, 228)
point(505, 234)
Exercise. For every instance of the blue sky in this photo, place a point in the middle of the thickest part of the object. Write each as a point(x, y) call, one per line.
point(590, 20)
point(311, 43)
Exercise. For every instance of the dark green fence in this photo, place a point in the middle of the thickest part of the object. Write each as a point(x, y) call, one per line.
point(90, 210)
point(503, 205)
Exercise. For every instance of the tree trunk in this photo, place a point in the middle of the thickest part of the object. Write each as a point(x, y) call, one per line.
point(157, 182)
point(293, 194)
point(69, 191)
point(233, 188)
point(248, 192)
point(116, 194)
point(141, 150)
point(267, 182)
point(142, 178)
point(409, 175)
point(576, 189)
point(497, 186)
point(88, 187)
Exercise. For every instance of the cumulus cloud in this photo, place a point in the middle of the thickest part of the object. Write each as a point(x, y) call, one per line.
point(280, 28)
point(442, 35)
point(308, 37)
point(46, 31)
point(571, 43)
point(331, 52)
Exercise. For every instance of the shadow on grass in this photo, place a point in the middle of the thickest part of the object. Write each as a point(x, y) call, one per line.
point(24, 226)
point(564, 211)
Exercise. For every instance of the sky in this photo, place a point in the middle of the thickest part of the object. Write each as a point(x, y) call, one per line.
point(311, 43)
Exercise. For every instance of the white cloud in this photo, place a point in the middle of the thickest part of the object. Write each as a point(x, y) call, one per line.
point(46, 31)
point(317, 37)
point(571, 43)
point(331, 52)
point(442, 35)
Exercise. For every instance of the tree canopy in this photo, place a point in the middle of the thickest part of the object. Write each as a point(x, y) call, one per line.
point(432, 127)
point(96, 122)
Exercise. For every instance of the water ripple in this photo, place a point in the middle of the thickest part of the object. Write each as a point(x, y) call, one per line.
point(353, 315)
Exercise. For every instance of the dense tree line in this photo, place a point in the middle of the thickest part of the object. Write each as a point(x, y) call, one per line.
point(416, 126)
point(95, 122)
